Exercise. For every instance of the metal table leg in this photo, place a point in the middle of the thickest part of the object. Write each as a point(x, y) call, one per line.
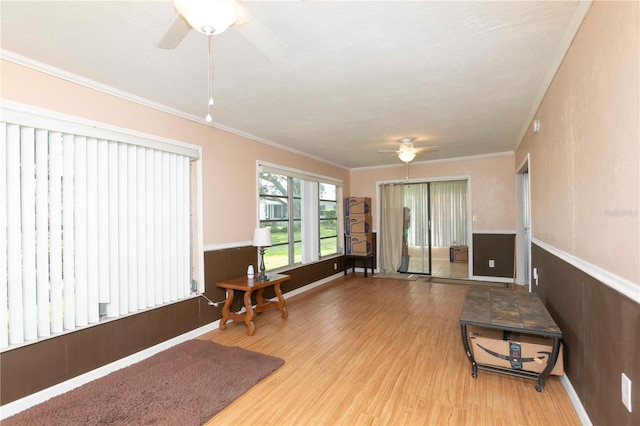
point(552, 362)
point(467, 349)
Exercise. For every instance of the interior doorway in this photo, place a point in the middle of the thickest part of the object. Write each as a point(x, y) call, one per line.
point(523, 225)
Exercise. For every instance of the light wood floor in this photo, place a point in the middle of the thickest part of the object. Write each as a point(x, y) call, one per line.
point(380, 351)
point(444, 269)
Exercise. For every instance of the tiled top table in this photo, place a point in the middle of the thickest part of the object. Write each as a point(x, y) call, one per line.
point(509, 310)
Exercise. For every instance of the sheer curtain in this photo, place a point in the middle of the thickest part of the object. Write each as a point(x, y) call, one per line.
point(449, 213)
point(391, 221)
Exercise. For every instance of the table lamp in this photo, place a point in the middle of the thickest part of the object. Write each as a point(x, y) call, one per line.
point(262, 239)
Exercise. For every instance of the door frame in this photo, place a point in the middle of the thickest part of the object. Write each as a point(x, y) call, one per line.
point(523, 247)
point(430, 180)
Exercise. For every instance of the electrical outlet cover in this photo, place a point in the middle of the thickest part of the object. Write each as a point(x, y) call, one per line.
point(625, 389)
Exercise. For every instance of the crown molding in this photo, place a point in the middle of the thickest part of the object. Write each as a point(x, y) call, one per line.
point(109, 90)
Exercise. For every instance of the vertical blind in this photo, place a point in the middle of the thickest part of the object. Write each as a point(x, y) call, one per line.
point(89, 228)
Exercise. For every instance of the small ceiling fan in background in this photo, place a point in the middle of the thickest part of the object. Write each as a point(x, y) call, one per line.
point(407, 151)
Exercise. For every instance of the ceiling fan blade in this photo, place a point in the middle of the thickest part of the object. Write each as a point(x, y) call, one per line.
point(388, 150)
point(259, 36)
point(243, 15)
point(428, 149)
point(177, 30)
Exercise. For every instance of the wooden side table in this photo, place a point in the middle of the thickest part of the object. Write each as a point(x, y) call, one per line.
point(349, 261)
point(248, 286)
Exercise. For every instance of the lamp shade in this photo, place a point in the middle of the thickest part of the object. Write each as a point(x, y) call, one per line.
point(406, 156)
point(208, 16)
point(262, 237)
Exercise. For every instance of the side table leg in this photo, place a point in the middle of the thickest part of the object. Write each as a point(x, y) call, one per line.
point(260, 305)
point(248, 319)
point(284, 314)
point(225, 310)
point(552, 362)
point(467, 349)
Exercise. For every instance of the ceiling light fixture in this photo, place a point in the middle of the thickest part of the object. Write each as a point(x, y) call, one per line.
point(407, 152)
point(406, 156)
point(210, 17)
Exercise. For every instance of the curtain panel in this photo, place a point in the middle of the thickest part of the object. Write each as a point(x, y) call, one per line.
point(391, 222)
point(449, 213)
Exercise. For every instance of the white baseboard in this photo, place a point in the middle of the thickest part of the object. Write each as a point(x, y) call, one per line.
point(36, 398)
point(492, 279)
point(575, 401)
point(29, 401)
point(313, 285)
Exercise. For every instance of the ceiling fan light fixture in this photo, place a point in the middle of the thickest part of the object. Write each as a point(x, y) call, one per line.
point(209, 17)
point(406, 155)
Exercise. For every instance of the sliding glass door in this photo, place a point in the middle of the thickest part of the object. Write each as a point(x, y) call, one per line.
point(416, 255)
point(424, 228)
point(435, 222)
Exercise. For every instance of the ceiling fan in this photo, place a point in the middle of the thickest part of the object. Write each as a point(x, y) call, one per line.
point(407, 151)
point(212, 17)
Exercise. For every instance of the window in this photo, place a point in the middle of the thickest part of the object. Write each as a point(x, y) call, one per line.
point(301, 211)
point(328, 220)
point(98, 224)
point(280, 211)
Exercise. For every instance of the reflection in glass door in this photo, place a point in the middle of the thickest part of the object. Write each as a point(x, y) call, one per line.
point(417, 230)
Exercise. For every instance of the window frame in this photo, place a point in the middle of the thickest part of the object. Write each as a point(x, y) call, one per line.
point(290, 218)
point(313, 253)
point(321, 219)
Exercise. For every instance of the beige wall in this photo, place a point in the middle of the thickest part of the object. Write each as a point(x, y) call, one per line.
point(229, 161)
point(585, 184)
point(492, 186)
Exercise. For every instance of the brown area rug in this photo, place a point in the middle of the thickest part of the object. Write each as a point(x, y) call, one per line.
point(184, 385)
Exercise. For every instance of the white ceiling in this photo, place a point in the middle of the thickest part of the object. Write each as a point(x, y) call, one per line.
point(356, 76)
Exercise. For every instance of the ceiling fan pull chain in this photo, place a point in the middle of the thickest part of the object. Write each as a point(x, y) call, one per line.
point(209, 82)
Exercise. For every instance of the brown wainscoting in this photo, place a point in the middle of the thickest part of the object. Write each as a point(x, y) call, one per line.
point(500, 248)
point(224, 264)
point(601, 329)
point(231, 263)
point(32, 368)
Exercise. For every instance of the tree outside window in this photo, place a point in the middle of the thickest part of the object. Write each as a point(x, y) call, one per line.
point(281, 205)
